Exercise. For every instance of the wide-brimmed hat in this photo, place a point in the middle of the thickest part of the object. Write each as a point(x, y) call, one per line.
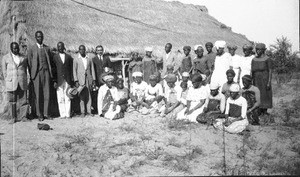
point(71, 92)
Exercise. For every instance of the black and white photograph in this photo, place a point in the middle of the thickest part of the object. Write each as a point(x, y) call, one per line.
point(92, 88)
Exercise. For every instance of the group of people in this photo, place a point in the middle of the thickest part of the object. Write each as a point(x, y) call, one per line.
point(222, 89)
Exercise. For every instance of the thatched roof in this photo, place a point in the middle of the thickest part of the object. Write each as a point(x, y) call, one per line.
point(121, 26)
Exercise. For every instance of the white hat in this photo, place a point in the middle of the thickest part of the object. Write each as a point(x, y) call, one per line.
point(137, 74)
point(234, 87)
point(185, 74)
point(149, 49)
point(108, 78)
point(213, 86)
point(220, 44)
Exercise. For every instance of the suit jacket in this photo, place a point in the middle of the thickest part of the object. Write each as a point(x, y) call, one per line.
point(80, 73)
point(14, 74)
point(33, 60)
point(171, 60)
point(99, 66)
point(64, 71)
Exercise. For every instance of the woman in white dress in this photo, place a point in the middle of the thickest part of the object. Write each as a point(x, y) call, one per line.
point(235, 62)
point(196, 97)
point(222, 63)
point(246, 62)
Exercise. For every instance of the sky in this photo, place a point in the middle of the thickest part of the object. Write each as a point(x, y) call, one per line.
point(260, 20)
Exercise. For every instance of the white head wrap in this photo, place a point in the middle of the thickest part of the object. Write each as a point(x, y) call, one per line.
point(220, 44)
point(148, 49)
point(137, 74)
point(108, 78)
point(213, 86)
point(234, 88)
point(185, 74)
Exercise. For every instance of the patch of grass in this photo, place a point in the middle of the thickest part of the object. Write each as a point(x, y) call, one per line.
point(47, 172)
point(173, 142)
point(127, 128)
point(178, 125)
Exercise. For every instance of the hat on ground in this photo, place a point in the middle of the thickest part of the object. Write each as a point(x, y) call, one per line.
point(137, 74)
point(71, 92)
point(234, 87)
point(43, 126)
point(171, 78)
point(220, 44)
point(214, 86)
point(185, 74)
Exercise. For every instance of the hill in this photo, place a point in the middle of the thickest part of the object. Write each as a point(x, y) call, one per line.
point(121, 26)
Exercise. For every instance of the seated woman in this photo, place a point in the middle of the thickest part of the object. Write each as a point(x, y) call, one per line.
point(186, 78)
point(235, 114)
point(252, 95)
point(107, 99)
point(215, 106)
point(123, 95)
point(196, 97)
point(225, 88)
point(138, 91)
point(172, 95)
point(154, 94)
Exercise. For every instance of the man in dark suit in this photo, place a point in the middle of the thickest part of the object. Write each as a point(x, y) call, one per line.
point(100, 61)
point(64, 76)
point(14, 68)
point(84, 78)
point(41, 73)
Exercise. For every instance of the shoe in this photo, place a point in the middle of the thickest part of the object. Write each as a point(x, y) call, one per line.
point(63, 117)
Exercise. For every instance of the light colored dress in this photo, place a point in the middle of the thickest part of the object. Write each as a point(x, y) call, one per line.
point(221, 66)
point(139, 90)
point(234, 109)
point(172, 95)
point(195, 96)
point(246, 67)
point(236, 62)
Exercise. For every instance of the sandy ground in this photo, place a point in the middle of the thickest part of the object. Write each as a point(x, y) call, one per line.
point(150, 145)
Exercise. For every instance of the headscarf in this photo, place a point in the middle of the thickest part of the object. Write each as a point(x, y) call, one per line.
point(230, 71)
point(137, 74)
point(185, 74)
point(171, 78)
point(187, 48)
point(213, 86)
point(108, 77)
point(209, 44)
point(247, 77)
point(197, 78)
point(260, 46)
point(220, 44)
point(247, 46)
point(232, 46)
point(234, 87)
point(148, 49)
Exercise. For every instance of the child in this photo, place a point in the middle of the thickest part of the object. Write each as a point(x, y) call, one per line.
point(186, 63)
point(172, 95)
point(123, 95)
point(186, 78)
point(235, 114)
point(214, 107)
point(154, 94)
point(135, 65)
point(196, 97)
point(137, 91)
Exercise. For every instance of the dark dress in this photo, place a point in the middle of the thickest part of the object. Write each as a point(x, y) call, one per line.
point(149, 68)
point(260, 72)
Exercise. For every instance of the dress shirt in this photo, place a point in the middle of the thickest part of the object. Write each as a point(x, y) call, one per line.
point(16, 59)
point(62, 57)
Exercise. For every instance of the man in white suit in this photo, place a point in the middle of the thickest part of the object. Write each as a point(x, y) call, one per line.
point(14, 68)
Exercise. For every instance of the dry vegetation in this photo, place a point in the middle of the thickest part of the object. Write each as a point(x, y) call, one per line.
point(150, 145)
